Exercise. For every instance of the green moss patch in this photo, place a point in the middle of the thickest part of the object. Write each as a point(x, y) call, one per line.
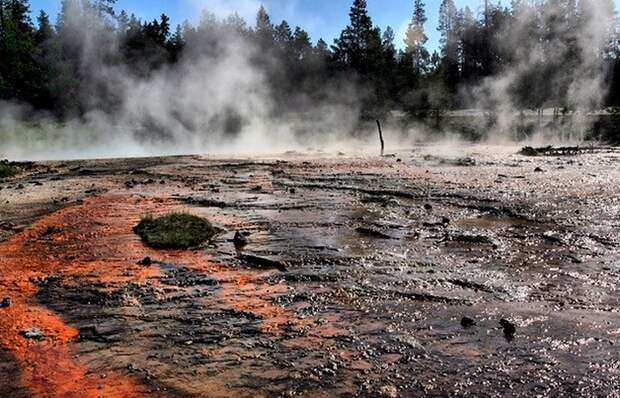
point(7, 169)
point(175, 231)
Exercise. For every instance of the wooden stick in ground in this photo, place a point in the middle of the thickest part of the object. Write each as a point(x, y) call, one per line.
point(381, 137)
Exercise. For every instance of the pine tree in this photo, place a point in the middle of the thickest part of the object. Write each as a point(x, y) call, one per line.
point(122, 21)
point(176, 44)
point(46, 58)
point(283, 36)
point(45, 30)
point(353, 48)
point(471, 39)
point(388, 70)
point(449, 29)
point(322, 48)
point(302, 45)
point(435, 61)
point(415, 39)
point(388, 44)
point(103, 13)
point(104, 8)
point(164, 29)
point(360, 48)
point(322, 60)
point(264, 29)
point(18, 11)
point(19, 73)
point(236, 24)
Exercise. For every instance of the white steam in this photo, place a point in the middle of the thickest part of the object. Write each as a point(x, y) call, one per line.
point(561, 75)
point(220, 101)
point(213, 100)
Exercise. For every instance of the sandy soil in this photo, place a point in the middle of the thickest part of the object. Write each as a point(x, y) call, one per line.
point(355, 281)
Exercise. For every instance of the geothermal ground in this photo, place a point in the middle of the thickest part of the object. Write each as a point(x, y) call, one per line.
point(481, 272)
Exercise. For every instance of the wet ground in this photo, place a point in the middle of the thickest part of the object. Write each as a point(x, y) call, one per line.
point(362, 276)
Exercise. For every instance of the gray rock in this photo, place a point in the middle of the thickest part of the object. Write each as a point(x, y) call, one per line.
point(467, 322)
point(6, 302)
point(32, 334)
point(509, 328)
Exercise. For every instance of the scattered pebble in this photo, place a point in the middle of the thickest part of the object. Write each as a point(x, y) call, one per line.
point(6, 302)
point(32, 334)
point(146, 261)
point(389, 391)
point(240, 239)
point(509, 328)
point(467, 322)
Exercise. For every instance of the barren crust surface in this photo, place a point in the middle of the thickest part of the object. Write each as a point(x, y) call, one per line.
point(349, 277)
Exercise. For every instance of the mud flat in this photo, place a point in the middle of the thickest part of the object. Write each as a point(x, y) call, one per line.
point(478, 273)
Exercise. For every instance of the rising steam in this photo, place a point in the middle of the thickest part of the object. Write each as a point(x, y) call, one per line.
point(221, 101)
point(210, 101)
point(563, 73)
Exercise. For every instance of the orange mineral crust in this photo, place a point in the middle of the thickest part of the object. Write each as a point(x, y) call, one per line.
point(96, 238)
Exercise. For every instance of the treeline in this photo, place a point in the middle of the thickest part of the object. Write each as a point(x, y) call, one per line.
point(56, 67)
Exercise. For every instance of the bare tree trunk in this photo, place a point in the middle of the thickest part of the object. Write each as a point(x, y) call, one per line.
point(570, 126)
point(381, 137)
point(522, 133)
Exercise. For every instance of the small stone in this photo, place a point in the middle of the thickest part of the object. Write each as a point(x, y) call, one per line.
point(509, 328)
point(146, 261)
point(240, 239)
point(389, 391)
point(33, 334)
point(467, 322)
point(538, 170)
point(6, 302)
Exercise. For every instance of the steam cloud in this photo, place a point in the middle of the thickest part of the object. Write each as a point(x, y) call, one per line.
point(549, 72)
point(211, 101)
point(221, 102)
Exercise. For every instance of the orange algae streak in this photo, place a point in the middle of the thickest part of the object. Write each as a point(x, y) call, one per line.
point(96, 238)
point(247, 295)
point(58, 244)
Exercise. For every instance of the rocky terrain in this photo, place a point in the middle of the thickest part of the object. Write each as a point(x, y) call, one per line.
point(478, 271)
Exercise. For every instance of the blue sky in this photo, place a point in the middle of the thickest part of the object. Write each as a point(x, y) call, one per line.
point(321, 18)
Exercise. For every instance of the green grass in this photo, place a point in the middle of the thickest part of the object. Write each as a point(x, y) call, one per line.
point(175, 231)
point(7, 169)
